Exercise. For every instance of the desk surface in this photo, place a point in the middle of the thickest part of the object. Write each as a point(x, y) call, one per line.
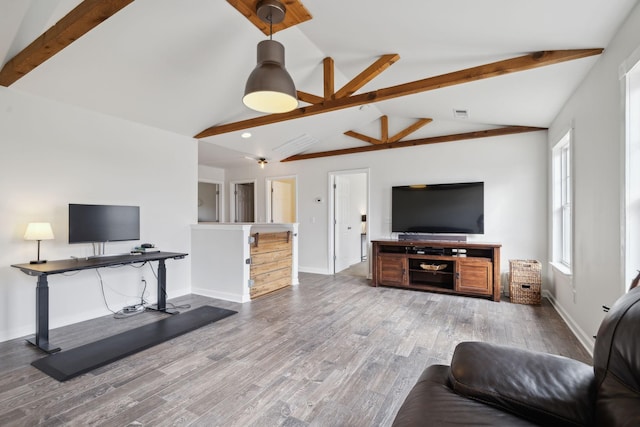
point(73, 264)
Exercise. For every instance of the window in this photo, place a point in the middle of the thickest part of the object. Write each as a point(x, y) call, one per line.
point(632, 174)
point(562, 195)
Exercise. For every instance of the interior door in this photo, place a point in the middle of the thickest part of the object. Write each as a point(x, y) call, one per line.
point(244, 205)
point(282, 201)
point(208, 202)
point(342, 226)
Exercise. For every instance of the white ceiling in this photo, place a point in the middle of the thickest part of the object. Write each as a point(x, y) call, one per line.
point(181, 65)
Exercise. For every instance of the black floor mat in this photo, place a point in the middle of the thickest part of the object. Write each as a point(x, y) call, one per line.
point(77, 361)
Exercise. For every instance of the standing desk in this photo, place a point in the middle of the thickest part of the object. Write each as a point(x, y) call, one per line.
point(42, 271)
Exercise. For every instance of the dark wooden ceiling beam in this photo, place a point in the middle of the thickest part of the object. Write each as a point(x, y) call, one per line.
point(82, 19)
point(309, 98)
point(384, 129)
point(361, 137)
point(328, 66)
point(296, 14)
point(521, 63)
point(373, 71)
point(329, 84)
point(507, 130)
point(410, 129)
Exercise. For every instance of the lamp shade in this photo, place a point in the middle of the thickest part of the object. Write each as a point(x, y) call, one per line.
point(270, 88)
point(38, 231)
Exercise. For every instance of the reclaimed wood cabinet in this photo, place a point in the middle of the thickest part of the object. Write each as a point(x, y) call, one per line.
point(271, 255)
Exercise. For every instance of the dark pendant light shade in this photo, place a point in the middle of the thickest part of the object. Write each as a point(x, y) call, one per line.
point(270, 88)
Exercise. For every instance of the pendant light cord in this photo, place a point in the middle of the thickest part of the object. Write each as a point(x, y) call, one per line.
point(270, 27)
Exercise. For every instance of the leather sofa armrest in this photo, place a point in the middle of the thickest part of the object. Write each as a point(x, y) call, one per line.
point(541, 387)
point(431, 402)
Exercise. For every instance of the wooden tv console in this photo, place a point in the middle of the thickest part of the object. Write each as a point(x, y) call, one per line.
point(464, 268)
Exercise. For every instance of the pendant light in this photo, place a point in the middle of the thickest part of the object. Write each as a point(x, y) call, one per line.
point(270, 88)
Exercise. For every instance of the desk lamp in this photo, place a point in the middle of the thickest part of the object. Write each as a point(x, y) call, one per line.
point(38, 231)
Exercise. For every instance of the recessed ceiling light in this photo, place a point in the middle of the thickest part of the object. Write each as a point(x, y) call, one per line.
point(246, 135)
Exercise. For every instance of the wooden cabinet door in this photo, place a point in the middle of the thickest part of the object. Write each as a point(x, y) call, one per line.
point(474, 276)
point(391, 269)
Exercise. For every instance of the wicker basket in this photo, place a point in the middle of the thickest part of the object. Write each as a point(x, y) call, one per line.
point(433, 267)
point(524, 293)
point(524, 271)
point(525, 281)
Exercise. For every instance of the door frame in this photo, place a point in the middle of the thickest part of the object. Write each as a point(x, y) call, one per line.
point(220, 198)
point(232, 199)
point(331, 251)
point(267, 194)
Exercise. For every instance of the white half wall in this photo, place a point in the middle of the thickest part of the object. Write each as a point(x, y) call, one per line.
point(513, 168)
point(53, 154)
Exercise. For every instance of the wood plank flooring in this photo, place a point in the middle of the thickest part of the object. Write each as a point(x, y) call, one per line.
point(332, 351)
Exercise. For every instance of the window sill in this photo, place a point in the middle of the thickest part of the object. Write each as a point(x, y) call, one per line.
point(561, 268)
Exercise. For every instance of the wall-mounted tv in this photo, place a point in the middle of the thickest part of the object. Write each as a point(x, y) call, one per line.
point(441, 208)
point(103, 223)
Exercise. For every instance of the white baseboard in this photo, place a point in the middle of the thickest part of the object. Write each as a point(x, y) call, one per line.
point(225, 296)
point(68, 318)
point(313, 270)
point(24, 331)
point(72, 317)
point(587, 341)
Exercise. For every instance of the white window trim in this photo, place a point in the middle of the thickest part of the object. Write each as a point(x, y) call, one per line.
point(631, 140)
point(558, 262)
point(561, 268)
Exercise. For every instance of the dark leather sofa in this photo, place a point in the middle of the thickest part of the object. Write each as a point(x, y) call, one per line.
point(494, 385)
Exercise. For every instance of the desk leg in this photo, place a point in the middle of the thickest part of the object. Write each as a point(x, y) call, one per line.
point(162, 290)
point(41, 340)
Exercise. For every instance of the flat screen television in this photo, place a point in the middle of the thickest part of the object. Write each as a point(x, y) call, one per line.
point(441, 208)
point(103, 223)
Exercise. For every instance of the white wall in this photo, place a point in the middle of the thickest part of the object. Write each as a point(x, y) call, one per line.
point(52, 155)
point(513, 168)
point(210, 174)
point(596, 111)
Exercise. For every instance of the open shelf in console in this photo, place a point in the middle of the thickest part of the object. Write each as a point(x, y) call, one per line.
point(394, 249)
point(441, 278)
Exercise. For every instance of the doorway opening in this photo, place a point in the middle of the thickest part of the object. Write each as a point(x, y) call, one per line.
point(348, 222)
point(282, 199)
point(210, 201)
point(243, 208)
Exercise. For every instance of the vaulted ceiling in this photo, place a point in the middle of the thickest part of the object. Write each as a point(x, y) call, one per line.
point(181, 65)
